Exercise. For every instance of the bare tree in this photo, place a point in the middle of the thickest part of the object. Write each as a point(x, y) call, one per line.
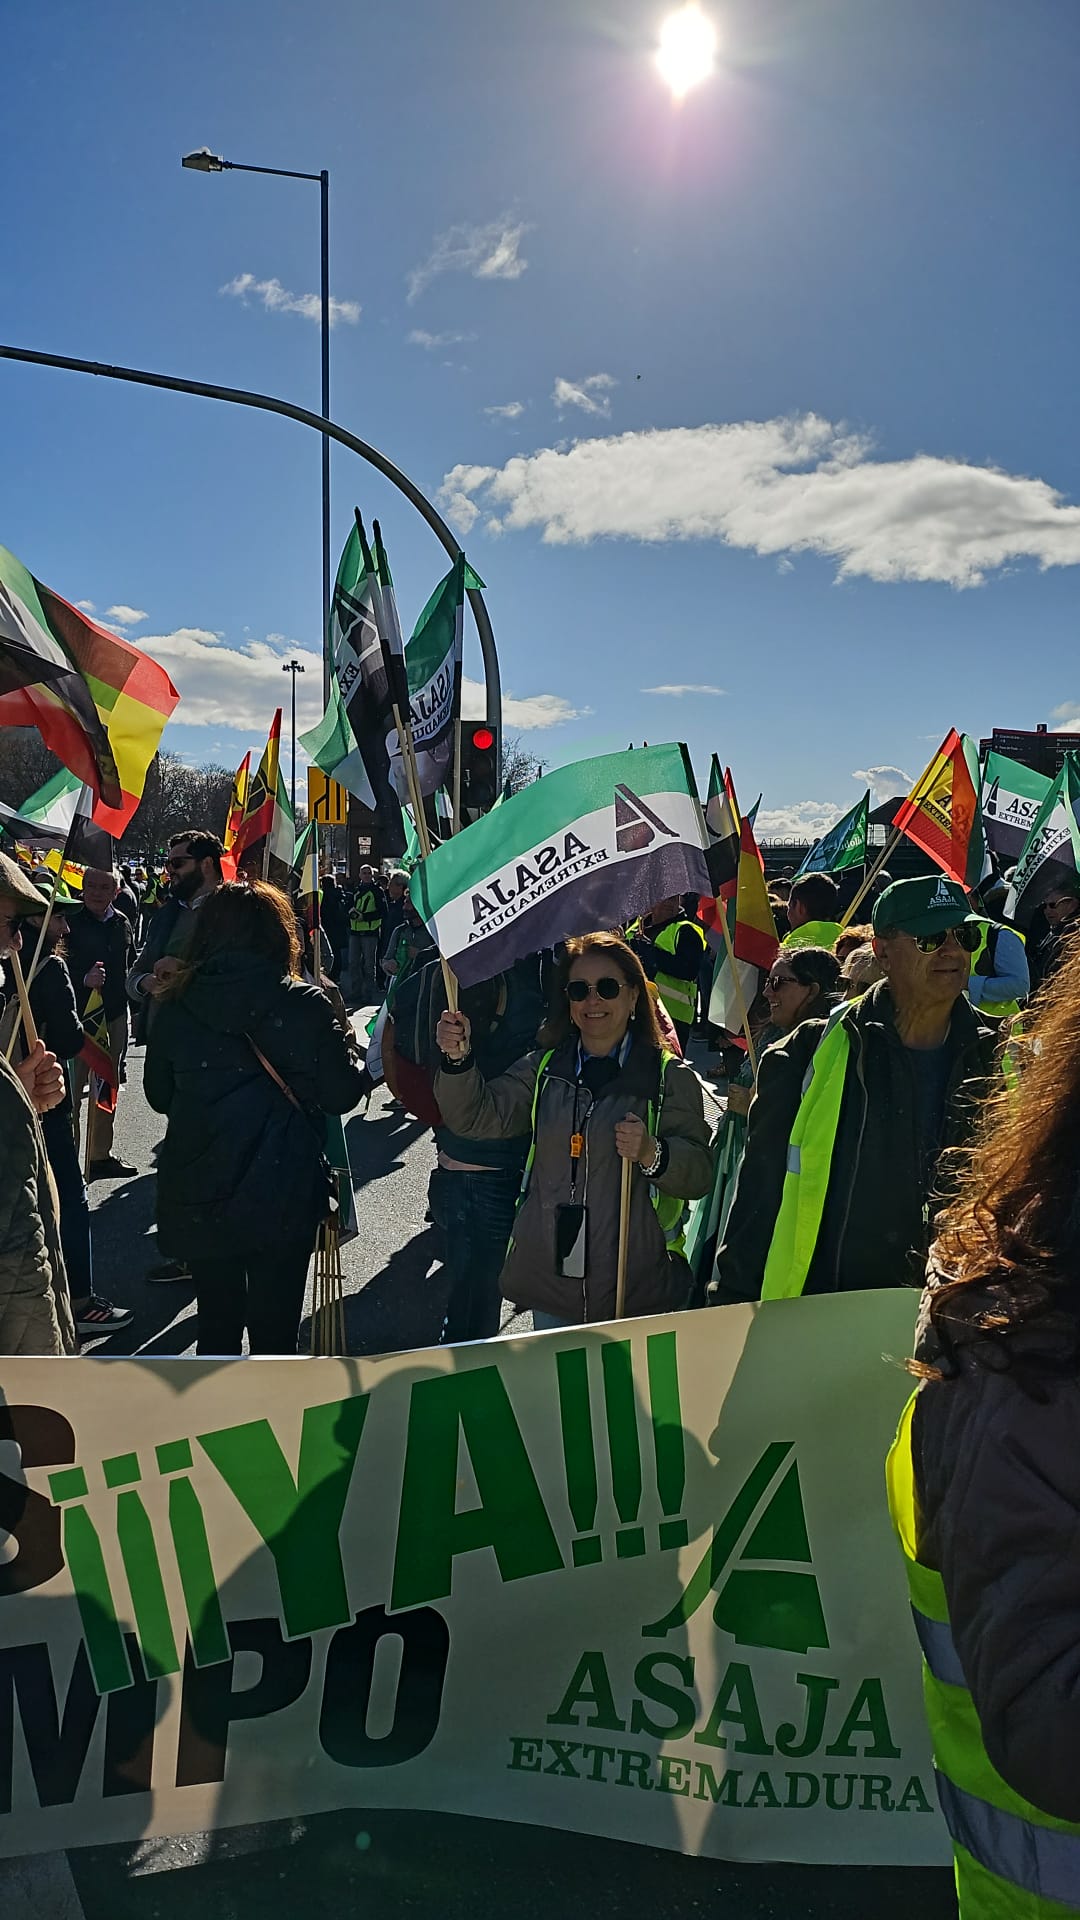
point(519, 767)
point(25, 764)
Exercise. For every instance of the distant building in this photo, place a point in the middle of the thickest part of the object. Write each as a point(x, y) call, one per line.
point(1041, 751)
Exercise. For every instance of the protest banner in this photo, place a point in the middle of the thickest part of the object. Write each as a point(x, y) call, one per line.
point(634, 1580)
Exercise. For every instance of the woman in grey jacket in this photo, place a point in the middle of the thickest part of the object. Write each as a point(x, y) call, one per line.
point(598, 1091)
point(985, 1486)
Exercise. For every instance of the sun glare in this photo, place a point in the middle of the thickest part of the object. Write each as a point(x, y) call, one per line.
point(687, 51)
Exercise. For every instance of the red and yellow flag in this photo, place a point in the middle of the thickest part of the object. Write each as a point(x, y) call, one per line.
point(95, 1052)
point(942, 814)
point(755, 938)
point(258, 818)
point(234, 819)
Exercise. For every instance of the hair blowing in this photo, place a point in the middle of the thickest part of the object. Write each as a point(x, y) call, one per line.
point(256, 919)
point(1014, 1223)
point(643, 1022)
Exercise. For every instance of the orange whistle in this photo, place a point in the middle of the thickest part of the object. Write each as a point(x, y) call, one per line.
point(577, 1144)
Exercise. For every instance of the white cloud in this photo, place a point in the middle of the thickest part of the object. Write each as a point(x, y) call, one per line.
point(592, 395)
point(781, 486)
point(235, 686)
point(278, 299)
point(802, 820)
point(86, 605)
point(239, 687)
point(883, 782)
point(531, 714)
point(513, 410)
point(677, 691)
point(430, 341)
point(1066, 718)
point(488, 253)
point(125, 616)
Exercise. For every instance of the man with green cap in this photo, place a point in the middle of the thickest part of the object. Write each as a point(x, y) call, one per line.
point(840, 1178)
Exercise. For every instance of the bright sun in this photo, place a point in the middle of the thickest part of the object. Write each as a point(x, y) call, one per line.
point(687, 51)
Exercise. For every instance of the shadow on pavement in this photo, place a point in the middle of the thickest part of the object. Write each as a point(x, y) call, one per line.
point(446, 1867)
point(400, 1307)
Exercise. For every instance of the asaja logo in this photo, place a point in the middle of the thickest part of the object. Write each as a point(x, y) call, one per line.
point(944, 897)
point(636, 825)
point(759, 1565)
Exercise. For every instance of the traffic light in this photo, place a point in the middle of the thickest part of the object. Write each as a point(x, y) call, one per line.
point(479, 770)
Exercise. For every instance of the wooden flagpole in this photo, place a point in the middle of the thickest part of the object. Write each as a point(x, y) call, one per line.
point(624, 1239)
point(740, 997)
point(24, 1000)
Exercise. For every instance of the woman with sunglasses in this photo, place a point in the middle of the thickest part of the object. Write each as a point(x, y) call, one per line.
point(984, 1485)
point(598, 1090)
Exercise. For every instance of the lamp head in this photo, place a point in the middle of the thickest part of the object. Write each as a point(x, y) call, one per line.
point(203, 161)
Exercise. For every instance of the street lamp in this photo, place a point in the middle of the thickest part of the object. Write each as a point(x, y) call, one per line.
point(294, 667)
point(203, 161)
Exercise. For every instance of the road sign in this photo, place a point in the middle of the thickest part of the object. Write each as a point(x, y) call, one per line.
point(328, 803)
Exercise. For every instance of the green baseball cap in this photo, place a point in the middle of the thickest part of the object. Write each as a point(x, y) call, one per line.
point(927, 905)
point(42, 882)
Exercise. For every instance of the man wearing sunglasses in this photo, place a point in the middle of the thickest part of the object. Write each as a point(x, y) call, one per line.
point(1061, 911)
point(840, 1179)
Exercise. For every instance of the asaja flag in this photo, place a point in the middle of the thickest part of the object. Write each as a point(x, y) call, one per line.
point(258, 818)
point(99, 704)
point(942, 815)
point(843, 846)
point(60, 815)
point(95, 1052)
point(234, 818)
point(280, 851)
point(589, 846)
point(1011, 797)
point(1051, 856)
point(357, 722)
point(433, 666)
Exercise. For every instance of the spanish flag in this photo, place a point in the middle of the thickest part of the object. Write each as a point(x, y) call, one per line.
point(234, 819)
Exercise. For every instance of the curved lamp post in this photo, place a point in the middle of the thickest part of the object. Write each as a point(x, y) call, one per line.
point(265, 403)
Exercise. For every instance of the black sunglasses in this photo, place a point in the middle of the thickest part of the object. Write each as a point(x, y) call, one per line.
point(607, 988)
point(181, 860)
point(966, 935)
point(777, 980)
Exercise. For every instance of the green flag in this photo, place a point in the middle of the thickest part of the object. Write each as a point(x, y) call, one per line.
point(591, 845)
point(1051, 856)
point(843, 846)
point(1011, 796)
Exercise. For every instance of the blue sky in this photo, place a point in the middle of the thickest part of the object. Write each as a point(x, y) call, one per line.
point(790, 367)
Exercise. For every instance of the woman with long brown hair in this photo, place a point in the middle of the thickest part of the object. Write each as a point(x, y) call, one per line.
point(599, 1089)
point(245, 1060)
point(985, 1487)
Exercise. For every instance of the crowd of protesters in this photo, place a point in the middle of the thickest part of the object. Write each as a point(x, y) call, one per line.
point(867, 1058)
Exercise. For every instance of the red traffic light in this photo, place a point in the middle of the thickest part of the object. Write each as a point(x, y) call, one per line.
point(483, 739)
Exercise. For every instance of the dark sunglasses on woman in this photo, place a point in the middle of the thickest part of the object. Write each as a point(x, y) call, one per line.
point(607, 988)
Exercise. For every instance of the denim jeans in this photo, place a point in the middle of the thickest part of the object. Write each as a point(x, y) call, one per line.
point(74, 1206)
point(476, 1214)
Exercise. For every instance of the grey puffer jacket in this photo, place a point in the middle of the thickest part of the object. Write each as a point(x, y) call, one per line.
point(35, 1316)
point(996, 1458)
point(501, 1107)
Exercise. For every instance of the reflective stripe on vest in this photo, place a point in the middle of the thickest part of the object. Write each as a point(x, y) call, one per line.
point(1013, 1862)
point(994, 1009)
point(366, 916)
point(809, 1165)
point(678, 996)
point(672, 1213)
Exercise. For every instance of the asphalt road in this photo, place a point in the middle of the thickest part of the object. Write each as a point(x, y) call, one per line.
point(385, 1865)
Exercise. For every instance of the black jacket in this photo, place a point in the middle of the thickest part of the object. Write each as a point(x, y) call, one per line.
point(108, 940)
point(52, 1003)
point(876, 1226)
point(240, 1168)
